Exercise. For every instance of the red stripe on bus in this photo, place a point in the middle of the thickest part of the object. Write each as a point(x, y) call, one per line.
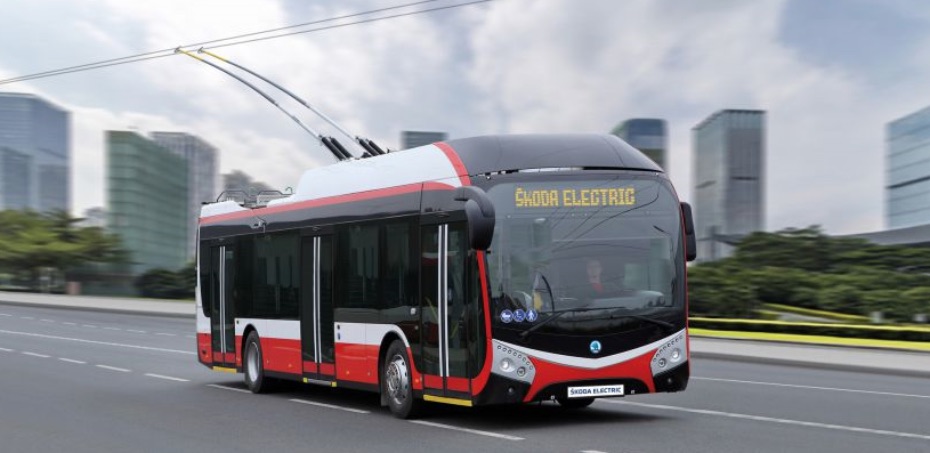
point(481, 380)
point(455, 161)
point(311, 367)
point(204, 348)
point(335, 199)
point(327, 369)
point(354, 362)
point(415, 375)
point(548, 373)
point(218, 357)
point(457, 384)
point(280, 355)
point(433, 382)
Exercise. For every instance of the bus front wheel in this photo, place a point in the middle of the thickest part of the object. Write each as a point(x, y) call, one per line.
point(396, 382)
point(254, 369)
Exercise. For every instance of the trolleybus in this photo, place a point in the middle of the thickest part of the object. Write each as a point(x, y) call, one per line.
point(476, 271)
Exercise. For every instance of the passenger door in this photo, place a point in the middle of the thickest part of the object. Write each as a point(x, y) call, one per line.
point(316, 308)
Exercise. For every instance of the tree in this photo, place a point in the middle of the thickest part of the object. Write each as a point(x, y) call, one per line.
point(31, 241)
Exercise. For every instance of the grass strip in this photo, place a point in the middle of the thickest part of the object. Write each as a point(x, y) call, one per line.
point(812, 339)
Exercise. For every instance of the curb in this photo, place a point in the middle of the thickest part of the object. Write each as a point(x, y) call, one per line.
point(818, 345)
point(807, 364)
point(124, 311)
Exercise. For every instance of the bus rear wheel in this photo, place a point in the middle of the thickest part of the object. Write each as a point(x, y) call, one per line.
point(574, 403)
point(396, 383)
point(254, 365)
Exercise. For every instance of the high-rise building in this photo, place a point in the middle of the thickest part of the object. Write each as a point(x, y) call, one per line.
point(412, 139)
point(35, 154)
point(147, 201)
point(908, 170)
point(202, 174)
point(729, 180)
point(647, 135)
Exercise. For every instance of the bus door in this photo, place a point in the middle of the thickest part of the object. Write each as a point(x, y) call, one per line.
point(316, 308)
point(443, 311)
point(222, 327)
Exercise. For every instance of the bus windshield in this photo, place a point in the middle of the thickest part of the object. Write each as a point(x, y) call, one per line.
point(579, 254)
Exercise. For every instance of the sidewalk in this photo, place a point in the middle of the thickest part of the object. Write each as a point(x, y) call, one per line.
point(159, 307)
point(829, 357)
point(902, 363)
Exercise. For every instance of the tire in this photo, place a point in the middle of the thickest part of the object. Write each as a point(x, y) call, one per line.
point(396, 385)
point(253, 365)
point(574, 403)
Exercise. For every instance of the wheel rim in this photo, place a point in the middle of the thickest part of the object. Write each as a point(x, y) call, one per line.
point(252, 363)
point(398, 383)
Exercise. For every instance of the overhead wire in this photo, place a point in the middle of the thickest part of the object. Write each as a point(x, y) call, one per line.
point(222, 42)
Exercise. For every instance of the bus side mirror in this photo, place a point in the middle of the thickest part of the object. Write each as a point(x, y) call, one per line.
point(690, 237)
point(480, 213)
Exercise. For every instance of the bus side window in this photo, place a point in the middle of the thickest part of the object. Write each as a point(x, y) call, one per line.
point(206, 284)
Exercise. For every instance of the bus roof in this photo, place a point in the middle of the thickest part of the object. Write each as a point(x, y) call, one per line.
point(453, 162)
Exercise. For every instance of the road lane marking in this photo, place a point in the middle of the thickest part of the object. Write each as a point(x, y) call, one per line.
point(810, 387)
point(113, 368)
point(34, 354)
point(466, 430)
point(27, 317)
point(167, 378)
point(223, 387)
point(783, 421)
point(330, 406)
point(112, 328)
point(135, 331)
point(166, 334)
point(5, 314)
point(6, 350)
point(592, 451)
point(89, 326)
point(70, 323)
point(46, 320)
point(79, 362)
point(105, 343)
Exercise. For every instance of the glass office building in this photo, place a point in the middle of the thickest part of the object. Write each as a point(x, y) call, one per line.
point(908, 171)
point(35, 154)
point(202, 176)
point(147, 201)
point(729, 180)
point(412, 139)
point(647, 135)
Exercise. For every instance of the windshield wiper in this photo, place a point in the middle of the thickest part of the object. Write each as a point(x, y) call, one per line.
point(669, 327)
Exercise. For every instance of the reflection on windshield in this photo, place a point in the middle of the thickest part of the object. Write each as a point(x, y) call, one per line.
point(553, 256)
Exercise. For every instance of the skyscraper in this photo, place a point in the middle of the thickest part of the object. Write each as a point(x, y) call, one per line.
point(729, 180)
point(647, 135)
point(908, 170)
point(412, 139)
point(147, 201)
point(35, 154)
point(203, 173)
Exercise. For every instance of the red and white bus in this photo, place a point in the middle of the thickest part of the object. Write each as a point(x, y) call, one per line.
point(485, 270)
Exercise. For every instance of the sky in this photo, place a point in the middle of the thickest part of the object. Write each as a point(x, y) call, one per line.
point(830, 74)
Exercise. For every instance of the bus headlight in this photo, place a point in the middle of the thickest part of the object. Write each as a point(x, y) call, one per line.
point(676, 355)
point(672, 353)
point(506, 365)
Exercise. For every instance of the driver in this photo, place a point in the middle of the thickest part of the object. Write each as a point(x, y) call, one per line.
point(596, 287)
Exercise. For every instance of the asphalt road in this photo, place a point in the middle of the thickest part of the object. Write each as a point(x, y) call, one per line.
point(81, 381)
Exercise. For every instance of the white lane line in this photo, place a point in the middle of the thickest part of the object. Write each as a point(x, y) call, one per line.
point(467, 430)
point(783, 421)
point(70, 323)
point(105, 343)
point(330, 406)
point(27, 317)
point(33, 354)
point(166, 334)
point(89, 326)
point(223, 387)
point(79, 362)
point(112, 328)
point(592, 451)
point(46, 320)
point(113, 368)
point(5, 314)
point(6, 350)
point(167, 378)
point(810, 387)
point(135, 331)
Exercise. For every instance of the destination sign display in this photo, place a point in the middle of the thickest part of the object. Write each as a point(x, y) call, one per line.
point(594, 197)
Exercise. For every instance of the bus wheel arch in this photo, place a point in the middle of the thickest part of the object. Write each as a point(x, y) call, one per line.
point(396, 382)
point(386, 342)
